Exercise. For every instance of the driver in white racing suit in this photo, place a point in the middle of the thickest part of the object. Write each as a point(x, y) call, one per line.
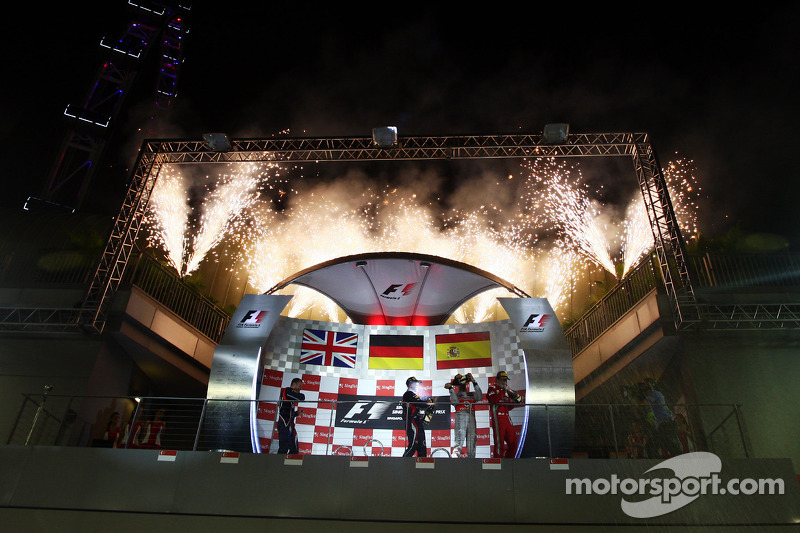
point(464, 425)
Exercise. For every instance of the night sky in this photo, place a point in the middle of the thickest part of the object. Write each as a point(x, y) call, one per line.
point(721, 90)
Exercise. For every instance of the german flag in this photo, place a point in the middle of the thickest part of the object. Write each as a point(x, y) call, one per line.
point(463, 350)
point(396, 352)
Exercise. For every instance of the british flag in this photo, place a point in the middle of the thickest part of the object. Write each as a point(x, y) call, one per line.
point(329, 348)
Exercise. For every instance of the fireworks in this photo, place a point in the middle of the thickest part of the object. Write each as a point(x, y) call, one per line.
point(638, 235)
point(684, 192)
point(222, 205)
point(561, 202)
point(168, 216)
point(540, 242)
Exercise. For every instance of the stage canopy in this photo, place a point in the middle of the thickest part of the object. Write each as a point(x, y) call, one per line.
point(399, 289)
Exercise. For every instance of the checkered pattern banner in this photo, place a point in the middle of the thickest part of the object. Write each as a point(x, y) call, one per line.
point(343, 404)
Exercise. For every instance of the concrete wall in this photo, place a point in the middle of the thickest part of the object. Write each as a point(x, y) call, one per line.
point(29, 363)
point(759, 370)
point(160, 355)
point(132, 483)
point(716, 369)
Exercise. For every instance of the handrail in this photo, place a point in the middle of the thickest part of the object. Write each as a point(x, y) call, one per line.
point(739, 270)
point(166, 287)
point(639, 283)
point(190, 426)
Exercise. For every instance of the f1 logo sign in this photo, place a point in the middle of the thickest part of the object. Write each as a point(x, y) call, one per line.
point(360, 408)
point(252, 319)
point(535, 323)
point(391, 290)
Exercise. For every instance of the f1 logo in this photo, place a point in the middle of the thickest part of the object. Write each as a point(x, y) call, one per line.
point(535, 322)
point(252, 319)
point(375, 410)
point(407, 288)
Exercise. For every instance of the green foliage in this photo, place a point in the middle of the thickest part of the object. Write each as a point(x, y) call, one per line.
point(738, 240)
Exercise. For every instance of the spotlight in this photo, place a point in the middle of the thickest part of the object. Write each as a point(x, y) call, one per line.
point(555, 133)
point(217, 142)
point(385, 136)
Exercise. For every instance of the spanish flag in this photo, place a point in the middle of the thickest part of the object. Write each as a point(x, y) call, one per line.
point(396, 352)
point(463, 350)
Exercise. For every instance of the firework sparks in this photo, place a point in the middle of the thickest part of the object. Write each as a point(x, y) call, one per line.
point(553, 200)
point(638, 236)
point(168, 215)
point(561, 201)
point(233, 194)
point(684, 191)
point(559, 272)
point(681, 180)
point(170, 212)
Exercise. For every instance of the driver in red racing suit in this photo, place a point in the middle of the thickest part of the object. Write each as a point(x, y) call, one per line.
point(501, 400)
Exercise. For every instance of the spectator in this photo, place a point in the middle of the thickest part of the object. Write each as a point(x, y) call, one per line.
point(637, 441)
point(151, 432)
point(112, 433)
point(664, 426)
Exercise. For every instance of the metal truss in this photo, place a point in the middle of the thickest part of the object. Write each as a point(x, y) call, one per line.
point(407, 148)
point(731, 316)
point(156, 153)
point(119, 247)
point(51, 320)
point(670, 247)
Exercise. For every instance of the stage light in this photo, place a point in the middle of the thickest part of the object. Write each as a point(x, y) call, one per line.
point(555, 133)
point(217, 142)
point(385, 136)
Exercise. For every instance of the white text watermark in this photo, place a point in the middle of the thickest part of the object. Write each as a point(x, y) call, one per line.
point(694, 475)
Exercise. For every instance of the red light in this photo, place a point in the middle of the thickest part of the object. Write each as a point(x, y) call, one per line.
point(375, 320)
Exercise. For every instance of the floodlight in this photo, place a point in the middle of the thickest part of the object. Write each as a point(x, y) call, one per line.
point(555, 133)
point(385, 136)
point(217, 142)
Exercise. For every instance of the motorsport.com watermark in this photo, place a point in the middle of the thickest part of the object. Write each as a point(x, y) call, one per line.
point(695, 474)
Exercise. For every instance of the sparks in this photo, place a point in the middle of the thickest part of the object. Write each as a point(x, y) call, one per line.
point(540, 242)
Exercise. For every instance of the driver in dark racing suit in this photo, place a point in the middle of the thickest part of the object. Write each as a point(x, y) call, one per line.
point(287, 412)
point(415, 409)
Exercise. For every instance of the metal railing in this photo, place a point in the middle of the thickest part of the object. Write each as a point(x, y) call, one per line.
point(167, 288)
point(740, 270)
point(600, 430)
point(144, 272)
point(710, 270)
point(638, 284)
